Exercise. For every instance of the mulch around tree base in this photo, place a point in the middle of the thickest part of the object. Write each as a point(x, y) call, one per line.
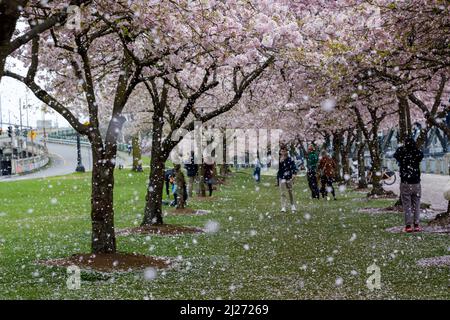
point(186, 211)
point(425, 229)
point(443, 261)
point(181, 211)
point(395, 208)
point(386, 195)
point(114, 262)
point(441, 219)
point(373, 210)
point(163, 229)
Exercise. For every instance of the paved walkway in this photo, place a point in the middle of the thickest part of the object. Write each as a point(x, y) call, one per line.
point(64, 161)
point(433, 186)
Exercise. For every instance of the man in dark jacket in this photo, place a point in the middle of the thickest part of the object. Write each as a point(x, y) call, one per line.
point(286, 172)
point(192, 171)
point(208, 174)
point(312, 158)
point(409, 158)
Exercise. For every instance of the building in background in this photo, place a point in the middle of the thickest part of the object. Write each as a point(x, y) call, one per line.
point(47, 124)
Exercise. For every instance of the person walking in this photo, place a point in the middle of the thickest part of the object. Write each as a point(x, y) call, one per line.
point(408, 158)
point(327, 170)
point(257, 171)
point(311, 164)
point(285, 175)
point(192, 171)
point(208, 174)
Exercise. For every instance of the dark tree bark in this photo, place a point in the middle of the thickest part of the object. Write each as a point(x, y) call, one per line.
point(345, 153)
point(374, 149)
point(102, 211)
point(224, 167)
point(361, 146)
point(104, 155)
point(337, 147)
point(404, 121)
point(432, 114)
point(371, 137)
point(153, 209)
point(153, 206)
point(9, 14)
point(408, 118)
point(201, 181)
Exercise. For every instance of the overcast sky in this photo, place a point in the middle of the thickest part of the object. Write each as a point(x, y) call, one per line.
point(11, 92)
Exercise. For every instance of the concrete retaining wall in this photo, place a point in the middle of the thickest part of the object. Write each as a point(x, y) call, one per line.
point(19, 166)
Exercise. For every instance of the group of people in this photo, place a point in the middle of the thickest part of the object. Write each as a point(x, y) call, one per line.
point(323, 170)
point(176, 182)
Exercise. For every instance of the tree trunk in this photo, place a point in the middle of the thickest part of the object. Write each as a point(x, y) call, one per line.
point(361, 146)
point(362, 181)
point(345, 153)
point(408, 118)
point(201, 178)
point(402, 118)
point(153, 206)
point(377, 188)
point(345, 164)
point(9, 14)
point(224, 168)
point(337, 144)
point(102, 211)
point(405, 127)
point(137, 154)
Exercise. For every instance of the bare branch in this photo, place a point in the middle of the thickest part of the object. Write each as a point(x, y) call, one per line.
point(48, 99)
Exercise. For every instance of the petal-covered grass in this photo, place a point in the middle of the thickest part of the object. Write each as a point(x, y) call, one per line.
point(322, 251)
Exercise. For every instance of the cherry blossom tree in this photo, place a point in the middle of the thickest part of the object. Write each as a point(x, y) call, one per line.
point(41, 16)
point(230, 54)
point(89, 75)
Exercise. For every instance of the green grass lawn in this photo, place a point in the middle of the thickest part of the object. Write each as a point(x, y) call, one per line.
point(258, 252)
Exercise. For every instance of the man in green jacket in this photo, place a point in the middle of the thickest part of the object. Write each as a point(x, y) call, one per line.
point(312, 160)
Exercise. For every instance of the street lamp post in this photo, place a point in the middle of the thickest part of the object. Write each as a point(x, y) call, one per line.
point(80, 167)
